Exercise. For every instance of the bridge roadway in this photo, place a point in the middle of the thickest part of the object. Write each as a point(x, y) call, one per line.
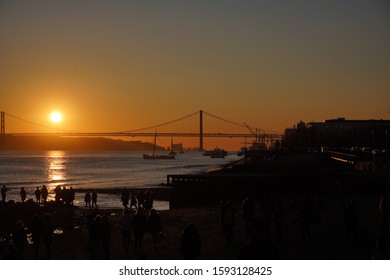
point(150, 134)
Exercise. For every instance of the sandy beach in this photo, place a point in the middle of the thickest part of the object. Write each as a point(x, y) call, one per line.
point(327, 228)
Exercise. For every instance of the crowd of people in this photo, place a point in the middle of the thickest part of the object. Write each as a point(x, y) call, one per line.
point(263, 217)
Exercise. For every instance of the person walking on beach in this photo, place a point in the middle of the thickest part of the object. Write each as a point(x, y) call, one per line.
point(139, 228)
point(154, 227)
point(47, 234)
point(36, 230)
point(94, 199)
point(45, 193)
point(3, 193)
point(87, 199)
point(190, 246)
point(23, 194)
point(126, 226)
point(38, 195)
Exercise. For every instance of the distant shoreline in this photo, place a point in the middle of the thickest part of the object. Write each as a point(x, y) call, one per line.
point(11, 142)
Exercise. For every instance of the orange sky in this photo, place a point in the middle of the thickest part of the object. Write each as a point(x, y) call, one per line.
point(124, 65)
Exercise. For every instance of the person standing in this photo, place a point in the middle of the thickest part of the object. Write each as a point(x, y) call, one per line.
point(125, 226)
point(190, 242)
point(87, 199)
point(139, 227)
point(125, 197)
point(38, 195)
point(3, 193)
point(94, 199)
point(154, 226)
point(45, 193)
point(23, 194)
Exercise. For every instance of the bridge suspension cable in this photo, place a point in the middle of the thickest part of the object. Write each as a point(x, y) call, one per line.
point(161, 124)
point(37, 124)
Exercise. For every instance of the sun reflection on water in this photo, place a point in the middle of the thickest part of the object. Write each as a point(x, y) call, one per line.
point(56, 166)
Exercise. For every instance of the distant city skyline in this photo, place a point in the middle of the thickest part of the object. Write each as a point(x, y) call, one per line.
point(120, 65)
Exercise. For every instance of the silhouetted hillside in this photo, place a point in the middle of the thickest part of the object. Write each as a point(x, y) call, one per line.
point(70, 143)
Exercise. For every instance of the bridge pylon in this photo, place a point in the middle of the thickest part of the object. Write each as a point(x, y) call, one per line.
point(201, 130)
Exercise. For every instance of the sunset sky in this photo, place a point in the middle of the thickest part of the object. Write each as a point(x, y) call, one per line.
point(121, 65)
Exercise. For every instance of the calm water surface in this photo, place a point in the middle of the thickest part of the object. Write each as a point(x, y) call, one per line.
point(95, 169)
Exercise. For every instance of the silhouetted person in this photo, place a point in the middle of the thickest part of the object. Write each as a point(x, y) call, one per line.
point(47, 234)
point(23, 194)
point(94, 199)
point(87, 199)
point(45, 194)
point(106, 236)
point(133, 200)
point(36, 230)
point(38, 195)
point(141, 198)
point(3, 193)
point(351, 220)
point(72, 195)
point(148, 203)
point(139, 228)
point(57, 192)
point(154, 226)
point(190, 242)
point(19, 237)
point(95, 237)
point(384, 208)
point(126, 227)
point(125, 197)
point(228, 221)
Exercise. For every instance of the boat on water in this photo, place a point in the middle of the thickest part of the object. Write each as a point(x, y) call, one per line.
point(216, 153)
point(154, 156)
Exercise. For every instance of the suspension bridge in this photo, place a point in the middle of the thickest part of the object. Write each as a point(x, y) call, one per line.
point(199, 125)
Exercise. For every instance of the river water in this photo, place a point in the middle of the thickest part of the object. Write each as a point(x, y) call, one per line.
point(96, 169)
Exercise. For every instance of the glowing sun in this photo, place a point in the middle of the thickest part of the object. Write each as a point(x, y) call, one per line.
point(56, 117)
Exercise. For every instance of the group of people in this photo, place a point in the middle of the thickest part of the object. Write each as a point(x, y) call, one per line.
point(62, 195)
point(88, 198)
point(142, 198)
point(41, 232)
point(132, 225)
